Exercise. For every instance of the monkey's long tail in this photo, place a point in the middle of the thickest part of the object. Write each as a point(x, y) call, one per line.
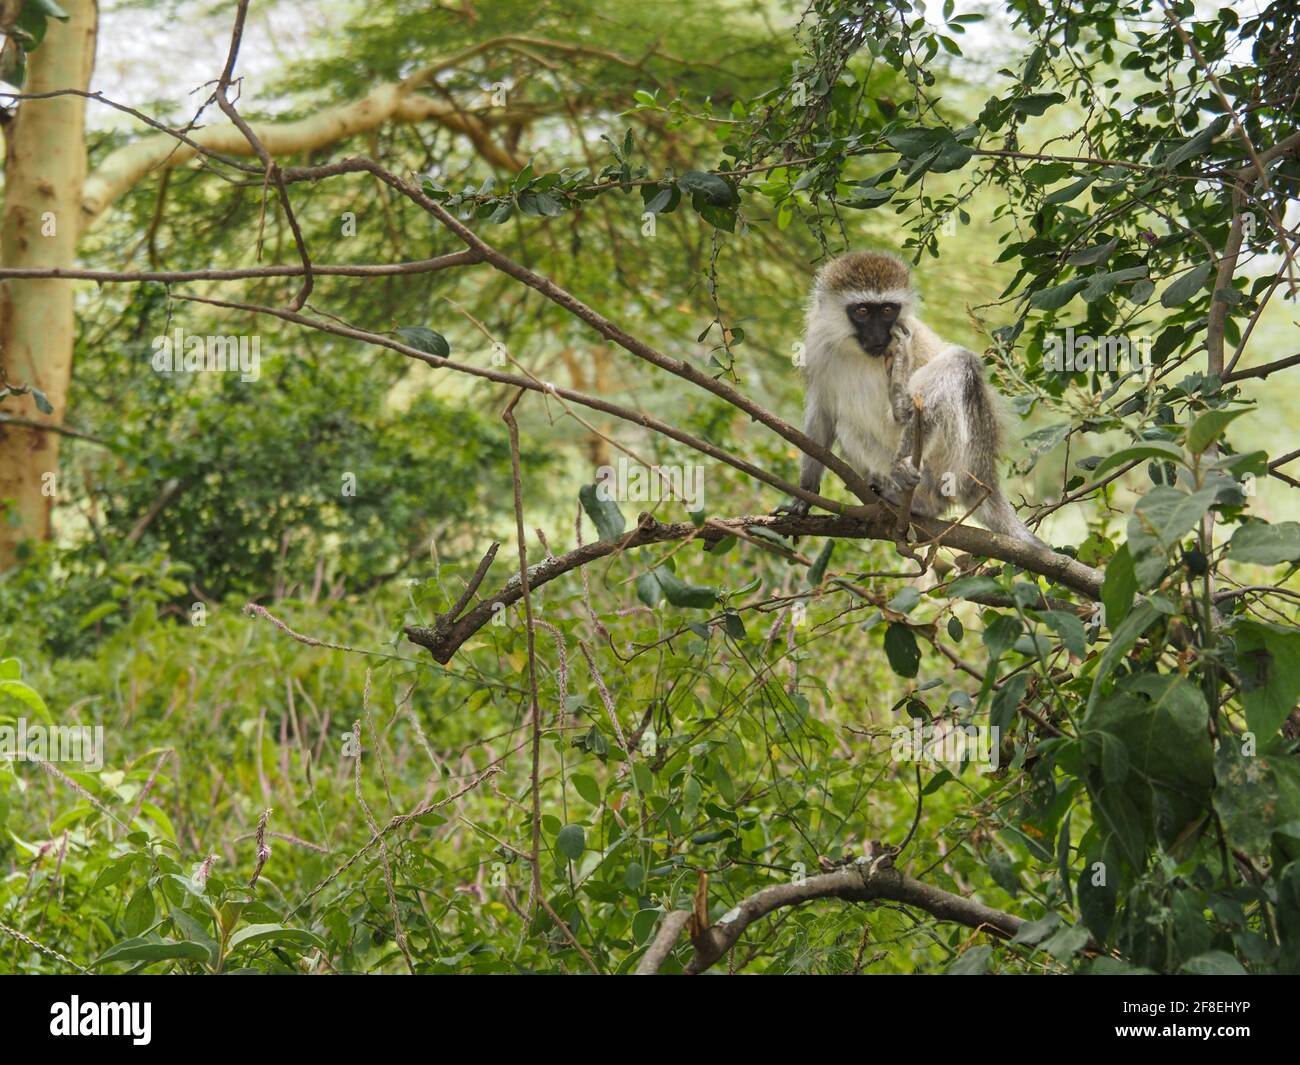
point(998, 516)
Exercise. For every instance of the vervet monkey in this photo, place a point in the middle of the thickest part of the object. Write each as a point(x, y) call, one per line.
point(875, 373)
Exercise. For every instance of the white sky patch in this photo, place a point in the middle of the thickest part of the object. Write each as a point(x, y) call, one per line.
point(171, 51)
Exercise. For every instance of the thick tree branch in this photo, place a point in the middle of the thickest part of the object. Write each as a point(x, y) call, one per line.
point(450, 631)
point(172, 277)
point(864, 881)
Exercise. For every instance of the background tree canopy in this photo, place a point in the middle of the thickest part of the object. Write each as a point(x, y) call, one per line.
point(387, 683)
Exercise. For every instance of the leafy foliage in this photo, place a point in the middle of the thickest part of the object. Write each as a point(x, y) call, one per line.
point(730, 706)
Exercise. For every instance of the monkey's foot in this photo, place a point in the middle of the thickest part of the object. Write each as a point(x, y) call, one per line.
point(796, 508)
point(906, 475)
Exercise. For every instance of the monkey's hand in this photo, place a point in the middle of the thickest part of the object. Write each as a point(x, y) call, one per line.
point(899, 368)
point(906, 475)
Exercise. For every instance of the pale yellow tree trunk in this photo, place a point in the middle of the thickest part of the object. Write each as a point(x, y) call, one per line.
point(45, 171)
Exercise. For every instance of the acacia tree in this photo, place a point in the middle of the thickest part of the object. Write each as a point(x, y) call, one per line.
point(477, 95)
point(1141, 690)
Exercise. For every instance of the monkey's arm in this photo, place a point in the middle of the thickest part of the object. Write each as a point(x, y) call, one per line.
point(818, 424)
point(901, 366)
point(906, 410)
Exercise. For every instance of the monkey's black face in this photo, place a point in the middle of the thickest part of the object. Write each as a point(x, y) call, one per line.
point(873, 324)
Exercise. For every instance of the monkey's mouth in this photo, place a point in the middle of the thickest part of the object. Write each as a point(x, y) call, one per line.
point(875, 350)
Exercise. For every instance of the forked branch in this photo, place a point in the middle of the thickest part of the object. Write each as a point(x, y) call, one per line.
point(863, 881)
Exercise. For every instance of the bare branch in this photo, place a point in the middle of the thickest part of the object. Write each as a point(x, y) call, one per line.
point(1261, 371)
point(417, 266)
point(446, 636)
point(864, 881)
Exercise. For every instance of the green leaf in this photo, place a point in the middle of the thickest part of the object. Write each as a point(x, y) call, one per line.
point(662, 200)
point(1037, 102)
point(648, 590)
point(965, 587)
point(712, 189)
point(1066, 942)
point(42, 401)
point(913, 143)
point(1161, 720)
point(861, 198)
point(139, 912)
point(1161, 519)
point(28, 696)
point(546, 205)
point(254, 934)
point(1069, 628)
point(114, 873)
point(98, 613)
point(1156, 449)
point(1266, 545)
point(643, 925)
point(1209, 427)
point(1119, 587)
point(1123, 637)
point(681, 594)
point(1002, 714)
point(905, 600)
point(1056, 297)
point(1097, 900)
point(151, 948)
point(1196, 144)
point(1176, 746)
point(586, 787)
point(1185, 287)
point(571, 841)
point(1063, 857)
point(426, 340)
point(1103, 284)
point(1001, 634)
point(604, 513)
point(818, 569)
point(1069, 192)
point(1095, 254)
point(901, 650)
point(1031, 933)
point(1268, 663)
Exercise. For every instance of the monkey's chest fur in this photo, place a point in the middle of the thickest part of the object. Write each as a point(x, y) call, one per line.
point(855, 388)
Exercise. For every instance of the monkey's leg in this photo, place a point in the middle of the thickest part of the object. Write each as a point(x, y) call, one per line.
point(819, 424)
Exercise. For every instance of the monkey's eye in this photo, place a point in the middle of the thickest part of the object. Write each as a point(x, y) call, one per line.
point(890, 310)
point(860, 312)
